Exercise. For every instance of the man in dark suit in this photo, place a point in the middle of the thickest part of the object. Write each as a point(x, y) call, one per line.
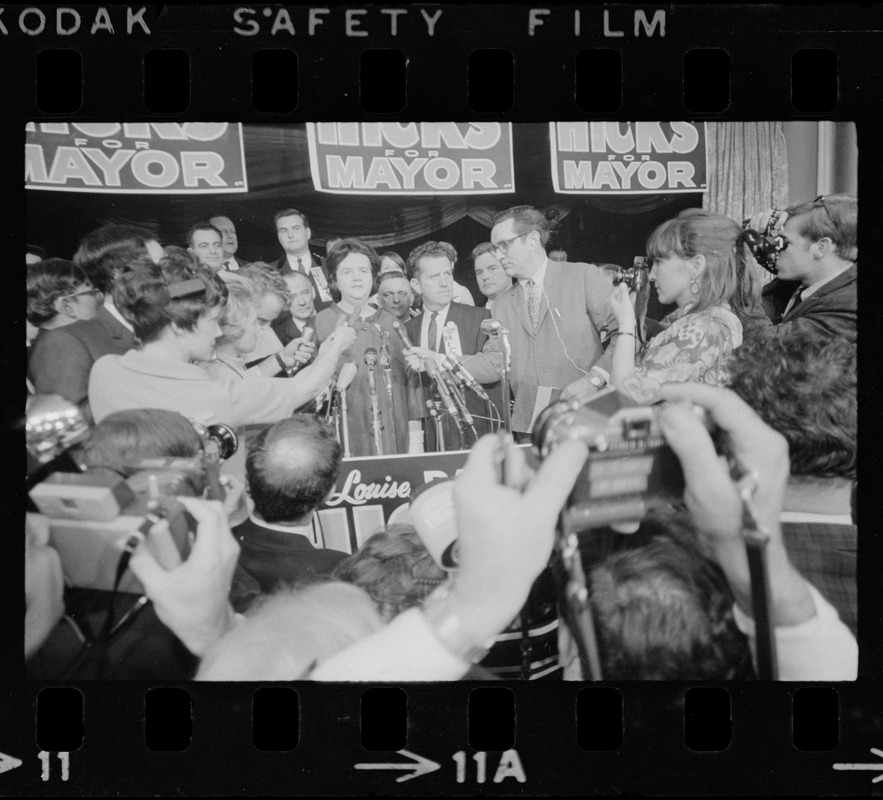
point(451, 330)
point(817, 277)
point(229, 243)
point(291, 468)
point(558, 316)
point(293, 232)
point(302, 313)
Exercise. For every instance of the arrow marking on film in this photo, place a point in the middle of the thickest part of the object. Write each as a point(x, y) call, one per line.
point(420, 766)
point(8, 763)
point(877, 766)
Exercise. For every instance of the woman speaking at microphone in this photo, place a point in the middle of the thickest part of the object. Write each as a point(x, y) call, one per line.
point(174, 308)
point(352, 267)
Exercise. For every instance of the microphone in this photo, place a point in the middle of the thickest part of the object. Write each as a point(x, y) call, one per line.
point(345, 376)
point(403, 334)
point(457, 396)
point(384, 349)
point(455, 367)
point(432, 368)
point(370, 358)
point(308, 336)
point(354, 317)
point(490, 326)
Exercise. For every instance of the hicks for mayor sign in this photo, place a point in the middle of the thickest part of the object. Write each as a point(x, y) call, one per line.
point(135, 157)
point(628, 157)
point(397, 158)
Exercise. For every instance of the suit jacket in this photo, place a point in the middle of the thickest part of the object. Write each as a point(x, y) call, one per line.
point(319, 300)
point(276, 557)
point(830, 310)
point(287, 329)
point(575, 322)
point(61, 359)
point(238, 263)
point(479, 357)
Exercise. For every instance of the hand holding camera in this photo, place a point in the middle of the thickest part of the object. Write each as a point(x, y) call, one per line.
point(191, 599)
point(623, 307)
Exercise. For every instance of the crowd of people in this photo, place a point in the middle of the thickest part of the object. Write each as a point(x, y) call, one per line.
point(131, 332)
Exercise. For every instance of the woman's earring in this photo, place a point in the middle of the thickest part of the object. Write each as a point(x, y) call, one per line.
point(694, 287)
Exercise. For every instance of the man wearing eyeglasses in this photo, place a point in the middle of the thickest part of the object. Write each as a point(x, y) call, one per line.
point(816, 284)
point(558, 316)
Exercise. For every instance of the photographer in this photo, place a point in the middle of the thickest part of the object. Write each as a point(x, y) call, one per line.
point(814, 263)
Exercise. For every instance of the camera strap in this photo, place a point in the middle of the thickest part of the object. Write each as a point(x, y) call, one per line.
point(574, 598)
point(756, 541)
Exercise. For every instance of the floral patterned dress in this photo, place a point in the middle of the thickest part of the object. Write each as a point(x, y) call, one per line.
point(693, 346)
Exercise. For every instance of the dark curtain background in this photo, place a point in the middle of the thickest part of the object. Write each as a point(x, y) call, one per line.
point(605, 229)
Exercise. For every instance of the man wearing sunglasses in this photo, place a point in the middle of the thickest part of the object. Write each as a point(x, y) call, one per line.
point(558, 316)
point(815, 287)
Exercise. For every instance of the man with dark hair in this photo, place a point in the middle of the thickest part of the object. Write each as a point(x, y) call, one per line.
point(558, 316)
point(395, 295)
point(293, 232)
point(489, 274)
point(204, 242)
point(450, 330)
point(291, 468)
point(229, 242)
point(302, 312)
point(804, 385)
point(817, 277)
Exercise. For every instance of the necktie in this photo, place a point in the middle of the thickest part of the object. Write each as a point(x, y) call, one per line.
point(533, 305)
point(433, 332)
point(227, 265)
point(796, 300)
point(300, 266)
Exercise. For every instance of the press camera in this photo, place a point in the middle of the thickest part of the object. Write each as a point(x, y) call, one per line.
point(634, 277)
point(765, 246)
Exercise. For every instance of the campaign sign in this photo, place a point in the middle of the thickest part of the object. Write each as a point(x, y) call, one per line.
point(401, 158)
point(135, 157)
point(628, 157)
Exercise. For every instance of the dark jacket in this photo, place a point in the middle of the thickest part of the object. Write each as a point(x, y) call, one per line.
point(319, 300)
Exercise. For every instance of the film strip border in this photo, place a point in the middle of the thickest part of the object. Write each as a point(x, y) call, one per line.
point(442, 60)
point(445, 739)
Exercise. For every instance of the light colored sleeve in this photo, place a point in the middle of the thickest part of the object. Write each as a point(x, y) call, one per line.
point(404, 650)
point(462, 295)
point(820, 649)
point(597, 295)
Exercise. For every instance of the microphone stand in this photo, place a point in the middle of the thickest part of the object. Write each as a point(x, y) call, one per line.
point(434, 407)
point(342, 426)
point(504, 384)
point(464, 418)
point(386, 366)
point(376, 427)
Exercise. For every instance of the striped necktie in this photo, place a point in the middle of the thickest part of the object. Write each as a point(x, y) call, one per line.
point(533, 305)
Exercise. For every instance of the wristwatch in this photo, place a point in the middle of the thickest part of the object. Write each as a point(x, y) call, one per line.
point(598, 382)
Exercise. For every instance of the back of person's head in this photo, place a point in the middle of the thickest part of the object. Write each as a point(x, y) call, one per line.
point(525, 220)
point(833, 216)
point(175, 291)
point(430, 250)
point(291, 467)
point(283, 638)
point(106, 252)
point(804, 384)
point(729, 276)
point(47, 282)
point(266, 279)
point(127, 437)
point(237, 309)
point(394, 568)
point(663, 610)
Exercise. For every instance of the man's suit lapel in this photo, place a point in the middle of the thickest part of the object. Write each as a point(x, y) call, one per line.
point(518, 299)
point(816, 298)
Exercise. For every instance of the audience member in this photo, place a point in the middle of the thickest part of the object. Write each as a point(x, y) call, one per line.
point(229, 242)
point(273, 300)
point(698, 264)
point(558, 254)
point(804, 385)
point(489, 273)
point(558, 316)
point(351, 267)
point(817, 276)
point(450, 329)
point(302, 311)
point(293, 232)
point(204, 243)
point(394, 295)
point(291, 469)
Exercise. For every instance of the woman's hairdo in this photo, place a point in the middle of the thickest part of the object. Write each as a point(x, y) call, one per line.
point(47, 281)
point(339, 252)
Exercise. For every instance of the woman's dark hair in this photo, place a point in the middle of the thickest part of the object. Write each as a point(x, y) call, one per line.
point(339, 252)
point(127, 437)
point(393, 256)
point(153, 296)
point(47, 281)
point(106, 252)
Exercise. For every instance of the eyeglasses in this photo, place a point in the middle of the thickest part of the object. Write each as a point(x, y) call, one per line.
point(821, 199)
point(503, 246)
point(93, 291)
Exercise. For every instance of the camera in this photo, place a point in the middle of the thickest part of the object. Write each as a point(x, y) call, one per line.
point(634, 277)
point(629, 467)
point(765, 246)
